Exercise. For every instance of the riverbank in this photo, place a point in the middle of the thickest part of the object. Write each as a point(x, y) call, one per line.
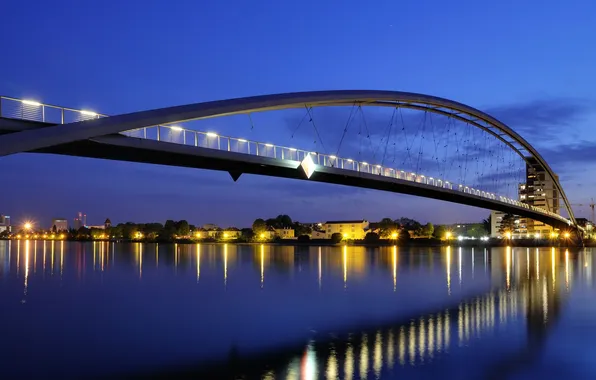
point(422, 242)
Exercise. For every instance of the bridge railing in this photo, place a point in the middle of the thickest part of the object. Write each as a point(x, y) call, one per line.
point(179, 135)
point(45, 113)
point(51, 114)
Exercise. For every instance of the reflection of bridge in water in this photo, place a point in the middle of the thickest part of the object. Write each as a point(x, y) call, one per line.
point(534, 283)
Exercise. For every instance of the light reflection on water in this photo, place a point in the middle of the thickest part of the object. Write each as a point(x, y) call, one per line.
point(362, 313)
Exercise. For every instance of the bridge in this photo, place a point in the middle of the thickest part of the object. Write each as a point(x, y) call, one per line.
point(155, 136)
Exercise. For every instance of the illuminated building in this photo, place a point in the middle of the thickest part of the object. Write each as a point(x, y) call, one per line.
point(349, 229)
point(539, 191)
point(59, 224)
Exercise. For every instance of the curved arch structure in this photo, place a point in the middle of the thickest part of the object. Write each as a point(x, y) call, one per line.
point(31, 140)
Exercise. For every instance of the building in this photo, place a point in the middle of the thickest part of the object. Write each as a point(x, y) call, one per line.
point(4, 223)
point(80, 220)
point(520, 229)
point(98, 227)
point(285, 233)
point(318, 234)
point(107, 224)
point(59, 224)
point(539, 191)
point(349, 229)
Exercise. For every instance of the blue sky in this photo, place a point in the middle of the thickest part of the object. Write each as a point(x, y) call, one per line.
point(529, 64)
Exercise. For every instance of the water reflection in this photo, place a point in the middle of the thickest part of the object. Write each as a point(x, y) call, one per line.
point(496, 290)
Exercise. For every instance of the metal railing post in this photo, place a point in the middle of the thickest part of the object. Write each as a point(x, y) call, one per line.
point(61, 115)
point(196, 139)
point(184, 137)
point(228, 144)
point(257, 148)
point(158, 133)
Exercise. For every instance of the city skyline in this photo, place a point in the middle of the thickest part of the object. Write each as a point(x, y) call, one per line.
point(550, 105)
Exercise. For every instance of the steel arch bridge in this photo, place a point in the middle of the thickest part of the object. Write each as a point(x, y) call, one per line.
point(76, 137)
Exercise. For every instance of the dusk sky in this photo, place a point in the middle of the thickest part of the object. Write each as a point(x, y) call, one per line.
point(530, 64)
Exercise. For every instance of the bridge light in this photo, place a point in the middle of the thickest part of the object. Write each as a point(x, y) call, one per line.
point(567, 235)
point(175, 128)
point(292, 149)
point(242, 140)
point(350, 160)
point(308, 166)
point(364, 163)
point(211, 134)
point(378, 166)
point(269, 145)
point(31, 103)
point(332, 157)
point(89, 113)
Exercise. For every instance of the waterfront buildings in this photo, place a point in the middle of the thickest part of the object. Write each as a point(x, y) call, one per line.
point(59, 224)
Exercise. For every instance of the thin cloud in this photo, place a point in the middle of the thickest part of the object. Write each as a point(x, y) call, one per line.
point(544, 118)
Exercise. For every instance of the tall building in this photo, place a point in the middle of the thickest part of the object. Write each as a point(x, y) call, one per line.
point(4, 223)
point(539, 191)
point(80, 220)
point(60, 224)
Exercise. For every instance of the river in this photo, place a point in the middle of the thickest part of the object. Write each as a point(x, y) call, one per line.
point(216, 311)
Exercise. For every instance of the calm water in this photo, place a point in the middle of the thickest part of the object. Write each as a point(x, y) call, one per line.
point(73, 310)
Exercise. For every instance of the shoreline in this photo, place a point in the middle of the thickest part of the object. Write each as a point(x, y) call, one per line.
point(493, 243)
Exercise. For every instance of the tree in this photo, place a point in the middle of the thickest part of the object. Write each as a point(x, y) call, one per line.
point(301, 229)
point(428, 230)
point(477, 231)
point(336, 238)
point(372, 237)
point(387, 227)
point(182, 228)
point(247, 234)
point(259, 226)
point(440, 232)
point(409, 224)
point(487, 223)
point(54, 230)
point(507, 224)
point(303, 238)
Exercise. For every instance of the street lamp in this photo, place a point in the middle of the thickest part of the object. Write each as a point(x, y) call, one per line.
point(448, 235)
point(394, 235)
point(27, 226)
